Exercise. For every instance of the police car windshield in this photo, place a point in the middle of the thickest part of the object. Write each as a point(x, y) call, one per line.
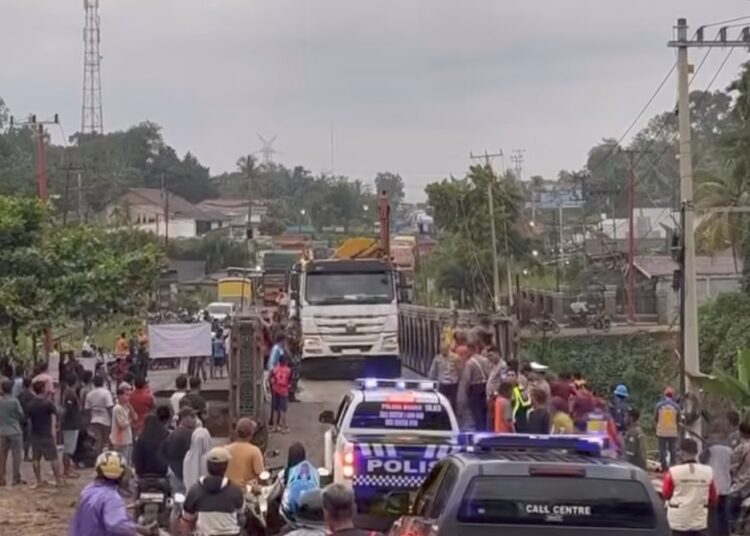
point(557, 501)
point(401, 414)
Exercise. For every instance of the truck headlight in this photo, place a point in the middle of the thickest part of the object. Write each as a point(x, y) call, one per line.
point(390, 342)
point(312, 344)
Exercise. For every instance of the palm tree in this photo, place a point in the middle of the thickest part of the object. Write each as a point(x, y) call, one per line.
point(719, 230)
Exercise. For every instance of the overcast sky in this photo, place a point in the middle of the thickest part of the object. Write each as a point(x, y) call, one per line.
point(410, 86)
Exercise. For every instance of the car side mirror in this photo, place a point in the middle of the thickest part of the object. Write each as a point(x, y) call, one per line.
point(397, 503)
point(327, 417)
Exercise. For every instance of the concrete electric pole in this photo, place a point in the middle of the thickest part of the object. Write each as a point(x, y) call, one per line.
point(691, 354)
point(493, 231)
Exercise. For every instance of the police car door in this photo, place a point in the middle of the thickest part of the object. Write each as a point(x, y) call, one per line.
point(431, 500)
point(333, 439)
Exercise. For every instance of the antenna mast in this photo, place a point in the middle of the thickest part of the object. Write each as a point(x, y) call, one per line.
point(91, 107)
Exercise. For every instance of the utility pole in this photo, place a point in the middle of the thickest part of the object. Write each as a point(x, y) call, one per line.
point(630, 154)
point(165, 194)
point(559, 236)
point(41, 185)
point(493, 232)
point(249, 232)
point(691, 353)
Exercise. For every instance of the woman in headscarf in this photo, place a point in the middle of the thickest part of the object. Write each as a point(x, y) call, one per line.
point(194, 466)
point(299, 477)
point(147, 457)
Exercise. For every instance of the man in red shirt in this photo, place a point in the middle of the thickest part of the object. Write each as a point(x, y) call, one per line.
point(281, 379)
point(142, 402)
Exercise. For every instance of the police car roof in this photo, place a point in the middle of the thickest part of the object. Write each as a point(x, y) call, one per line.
point(516, 463)
point(385, 393)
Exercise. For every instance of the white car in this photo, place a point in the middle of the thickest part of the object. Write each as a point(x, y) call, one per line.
point(220, 311)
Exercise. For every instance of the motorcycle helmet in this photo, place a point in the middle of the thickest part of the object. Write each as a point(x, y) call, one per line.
point(110, 465)
point(310, 509)
point(622, 391)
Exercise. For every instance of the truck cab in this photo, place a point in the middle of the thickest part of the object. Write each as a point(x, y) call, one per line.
point(348, 314)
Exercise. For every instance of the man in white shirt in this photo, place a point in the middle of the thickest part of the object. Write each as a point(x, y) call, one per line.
point(99, 403)
point(180, 383)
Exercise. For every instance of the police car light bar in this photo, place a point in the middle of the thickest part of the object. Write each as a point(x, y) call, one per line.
point(577, 443)
point(400, 384)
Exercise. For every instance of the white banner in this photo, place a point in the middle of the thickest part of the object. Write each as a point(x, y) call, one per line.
point(179, 340)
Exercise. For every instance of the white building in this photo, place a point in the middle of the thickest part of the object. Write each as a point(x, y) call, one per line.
point(149, 209)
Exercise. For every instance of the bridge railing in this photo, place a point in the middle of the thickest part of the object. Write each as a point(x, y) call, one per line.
point(421, 331)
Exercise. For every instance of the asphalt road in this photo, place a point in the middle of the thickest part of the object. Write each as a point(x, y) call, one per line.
point(315, 396)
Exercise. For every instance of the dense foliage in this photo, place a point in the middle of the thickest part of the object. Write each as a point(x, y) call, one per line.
point(50, 273)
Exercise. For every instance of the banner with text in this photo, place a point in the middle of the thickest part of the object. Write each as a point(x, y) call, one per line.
point(179, 340)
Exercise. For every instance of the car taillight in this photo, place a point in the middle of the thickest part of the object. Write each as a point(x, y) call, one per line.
point(347, 460)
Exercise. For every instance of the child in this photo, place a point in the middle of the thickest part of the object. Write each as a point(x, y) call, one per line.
point(281, 379)
point(634, 440)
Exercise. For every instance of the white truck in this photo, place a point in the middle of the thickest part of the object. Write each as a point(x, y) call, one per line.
point(348, 316)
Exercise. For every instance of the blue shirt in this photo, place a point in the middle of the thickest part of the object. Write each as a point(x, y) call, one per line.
point(217, 348)
point(276, 352)
point(101, 512)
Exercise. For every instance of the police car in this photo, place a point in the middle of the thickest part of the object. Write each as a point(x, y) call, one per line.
point(520, 485)
point(385, 437)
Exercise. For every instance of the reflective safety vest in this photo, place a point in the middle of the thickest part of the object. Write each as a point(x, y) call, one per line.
point(687, 509)
point(667, 416)
point(597, 424)
point(521, 406)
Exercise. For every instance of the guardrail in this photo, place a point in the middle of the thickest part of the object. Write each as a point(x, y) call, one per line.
point(421, 331)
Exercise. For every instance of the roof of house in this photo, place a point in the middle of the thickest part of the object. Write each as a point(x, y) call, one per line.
point(178, 206)
point(663, 265)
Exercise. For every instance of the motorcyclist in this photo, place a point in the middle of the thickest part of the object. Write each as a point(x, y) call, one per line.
point(310, 516)
point(299, 478)
point(101, 509)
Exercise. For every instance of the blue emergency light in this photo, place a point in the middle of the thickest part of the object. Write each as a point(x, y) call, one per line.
point(400, 384)
point(577, 443)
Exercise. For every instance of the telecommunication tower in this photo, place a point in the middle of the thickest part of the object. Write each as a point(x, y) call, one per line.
point(91, 108)
point(267, 150)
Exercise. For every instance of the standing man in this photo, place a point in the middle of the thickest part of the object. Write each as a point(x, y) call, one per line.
point(181, 385)
point(667, 415)
point(194, 399)
point(11, 440)
point(689, 490)
point(42, 414)
point(99, 403)
point(246, 463)
point(122, 424)
point(176, 447)
point(143, 402)
point(70, 422)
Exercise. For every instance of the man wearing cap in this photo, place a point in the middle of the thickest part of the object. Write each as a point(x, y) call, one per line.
point(246, 464)
point(214, 506)
point(667, 414)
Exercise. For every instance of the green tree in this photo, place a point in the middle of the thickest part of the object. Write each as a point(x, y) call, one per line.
point(392, 184)
point(99, 274)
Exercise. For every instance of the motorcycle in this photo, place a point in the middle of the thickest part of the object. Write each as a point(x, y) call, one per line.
point(544, 325)
point(153, 501)
point(257, 500)
point(600, 322)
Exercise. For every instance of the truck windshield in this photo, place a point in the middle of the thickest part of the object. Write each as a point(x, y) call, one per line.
point(557, 501)
point(348, 287)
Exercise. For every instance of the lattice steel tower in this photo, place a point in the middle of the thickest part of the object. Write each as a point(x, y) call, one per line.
point(91, 108)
